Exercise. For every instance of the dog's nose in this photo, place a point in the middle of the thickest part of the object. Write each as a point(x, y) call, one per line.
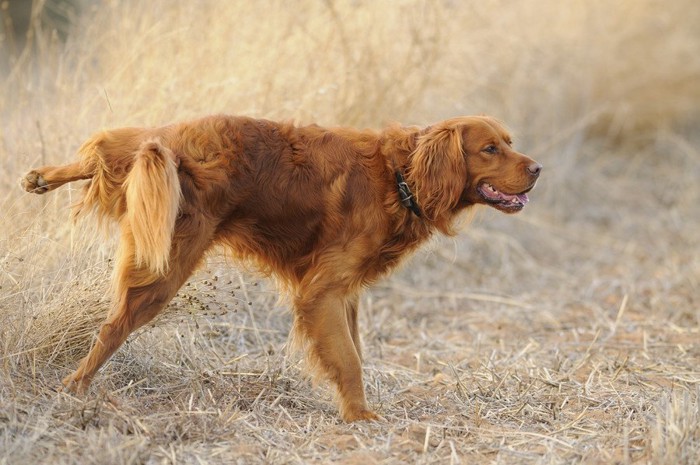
point(534, 169)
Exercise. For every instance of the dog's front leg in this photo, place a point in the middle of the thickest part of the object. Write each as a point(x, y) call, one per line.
point(323, 321)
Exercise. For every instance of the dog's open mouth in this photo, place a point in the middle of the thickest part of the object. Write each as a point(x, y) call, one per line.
point(501, 200)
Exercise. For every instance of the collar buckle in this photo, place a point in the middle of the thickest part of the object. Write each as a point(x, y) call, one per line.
point(407, 199)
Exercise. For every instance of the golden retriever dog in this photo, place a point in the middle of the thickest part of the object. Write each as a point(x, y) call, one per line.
point(325, 211)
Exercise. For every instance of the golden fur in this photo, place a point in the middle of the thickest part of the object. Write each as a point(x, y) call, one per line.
point(318, 208)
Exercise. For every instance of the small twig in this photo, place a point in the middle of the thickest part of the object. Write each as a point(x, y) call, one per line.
point(109, 104)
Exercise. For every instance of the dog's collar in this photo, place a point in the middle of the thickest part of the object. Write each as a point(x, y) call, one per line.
point(407, 199)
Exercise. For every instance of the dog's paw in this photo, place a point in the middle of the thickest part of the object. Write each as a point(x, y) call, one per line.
point(74, 385)
point(34, 182)
point(361, 414)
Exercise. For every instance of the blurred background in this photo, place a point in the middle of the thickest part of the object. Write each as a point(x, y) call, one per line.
point(605, 94)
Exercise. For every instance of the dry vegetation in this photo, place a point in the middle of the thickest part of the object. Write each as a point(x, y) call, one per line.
point(566, 334)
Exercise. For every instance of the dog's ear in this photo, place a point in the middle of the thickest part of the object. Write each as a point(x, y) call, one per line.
point(438, 171)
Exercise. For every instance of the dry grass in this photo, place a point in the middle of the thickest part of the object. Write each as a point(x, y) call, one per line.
point(566, 334)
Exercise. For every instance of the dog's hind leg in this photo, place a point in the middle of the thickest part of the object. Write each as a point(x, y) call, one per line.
point(48, 178)
point(139, 296)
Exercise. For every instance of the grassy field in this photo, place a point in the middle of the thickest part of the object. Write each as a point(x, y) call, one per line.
point(569, 333)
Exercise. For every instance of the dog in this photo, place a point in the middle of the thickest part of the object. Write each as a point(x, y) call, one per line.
point(325, 211)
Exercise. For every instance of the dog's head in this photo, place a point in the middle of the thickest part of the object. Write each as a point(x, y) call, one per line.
point(469, 160)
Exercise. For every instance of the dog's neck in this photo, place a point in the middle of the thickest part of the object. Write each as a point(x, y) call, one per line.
point(397, 145)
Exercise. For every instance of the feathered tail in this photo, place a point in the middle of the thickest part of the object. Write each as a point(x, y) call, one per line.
point(152, 193)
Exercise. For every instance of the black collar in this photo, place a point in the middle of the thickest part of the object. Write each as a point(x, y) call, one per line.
point(406, 195)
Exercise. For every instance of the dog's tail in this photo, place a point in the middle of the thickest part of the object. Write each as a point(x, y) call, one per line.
point(152, 193)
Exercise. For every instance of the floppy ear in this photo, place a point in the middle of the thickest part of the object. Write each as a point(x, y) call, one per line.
point(437, 171)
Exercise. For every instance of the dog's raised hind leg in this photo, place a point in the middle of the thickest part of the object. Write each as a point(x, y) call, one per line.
point(48, 178)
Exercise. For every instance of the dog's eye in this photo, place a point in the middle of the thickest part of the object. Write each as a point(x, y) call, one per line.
point(490, 149)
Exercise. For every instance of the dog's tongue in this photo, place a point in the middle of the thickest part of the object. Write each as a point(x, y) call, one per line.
point(522, 198)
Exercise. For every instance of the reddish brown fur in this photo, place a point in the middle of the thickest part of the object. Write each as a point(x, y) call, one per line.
point(318, 208)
